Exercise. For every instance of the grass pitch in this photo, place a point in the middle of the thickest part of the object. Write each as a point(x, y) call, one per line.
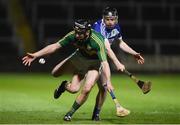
point(28, 99)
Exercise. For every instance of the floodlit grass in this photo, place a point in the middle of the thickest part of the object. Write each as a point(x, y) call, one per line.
point(28, 98)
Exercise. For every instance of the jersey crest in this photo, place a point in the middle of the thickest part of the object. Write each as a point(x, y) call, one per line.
point(113, 33)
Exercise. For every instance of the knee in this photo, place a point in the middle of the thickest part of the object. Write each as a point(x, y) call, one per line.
point(73, 89)
point(55, 74)
point(86, 90)
point(103, 91)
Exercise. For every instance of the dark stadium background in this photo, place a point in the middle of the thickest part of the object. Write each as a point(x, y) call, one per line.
point(151, 27)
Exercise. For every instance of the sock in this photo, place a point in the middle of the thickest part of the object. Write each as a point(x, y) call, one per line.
point(96, 111)
point(75, 106)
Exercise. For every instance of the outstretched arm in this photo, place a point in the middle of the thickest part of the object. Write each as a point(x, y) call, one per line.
point(30, 57)
point(129, 50)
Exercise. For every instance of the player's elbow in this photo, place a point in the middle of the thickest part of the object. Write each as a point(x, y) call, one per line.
point(54, 47)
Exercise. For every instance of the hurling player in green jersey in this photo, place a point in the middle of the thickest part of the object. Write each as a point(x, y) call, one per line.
point(89, 60)
point(74, 87)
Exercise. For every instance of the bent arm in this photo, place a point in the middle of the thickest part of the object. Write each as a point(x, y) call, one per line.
point(129, 50)
point(112, 56)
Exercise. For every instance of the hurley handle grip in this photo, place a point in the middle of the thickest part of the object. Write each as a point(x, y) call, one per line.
point(127, 72)
point(131, 76)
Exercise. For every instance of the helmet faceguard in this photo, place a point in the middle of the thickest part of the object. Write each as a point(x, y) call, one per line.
point(82, 29)
point(81, 26)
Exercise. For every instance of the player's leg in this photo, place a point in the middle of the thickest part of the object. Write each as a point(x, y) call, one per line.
point(71, 87)
point(100, 98)
point(89, 80)
point(60, 68)
point(120, 110)
point(75, 84)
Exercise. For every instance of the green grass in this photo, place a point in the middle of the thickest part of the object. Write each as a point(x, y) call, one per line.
point(28, 98)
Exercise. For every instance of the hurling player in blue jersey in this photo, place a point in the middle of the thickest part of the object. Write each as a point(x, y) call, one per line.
point(108, 27)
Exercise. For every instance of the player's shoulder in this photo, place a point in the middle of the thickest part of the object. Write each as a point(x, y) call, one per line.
point(69, 36)
point(118, 26)
point(98, 22)
point(94, 32)
point(70, 33)
point(96, 36)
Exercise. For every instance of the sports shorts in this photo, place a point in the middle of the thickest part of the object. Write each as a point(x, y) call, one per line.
point(82, 64)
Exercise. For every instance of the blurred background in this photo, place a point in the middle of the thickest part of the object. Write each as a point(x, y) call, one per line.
point(151, 27)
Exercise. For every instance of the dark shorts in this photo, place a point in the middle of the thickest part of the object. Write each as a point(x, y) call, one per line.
point(82, 64)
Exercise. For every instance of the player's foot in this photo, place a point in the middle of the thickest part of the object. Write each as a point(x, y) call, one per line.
point(121, 112)
point(60, 90)
point(146, 87)
point(67, 117)
point(96, 117)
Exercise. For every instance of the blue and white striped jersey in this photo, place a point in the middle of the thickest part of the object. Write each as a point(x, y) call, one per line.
point(110, 34)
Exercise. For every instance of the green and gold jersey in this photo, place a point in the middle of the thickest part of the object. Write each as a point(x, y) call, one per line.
point(92, 48)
